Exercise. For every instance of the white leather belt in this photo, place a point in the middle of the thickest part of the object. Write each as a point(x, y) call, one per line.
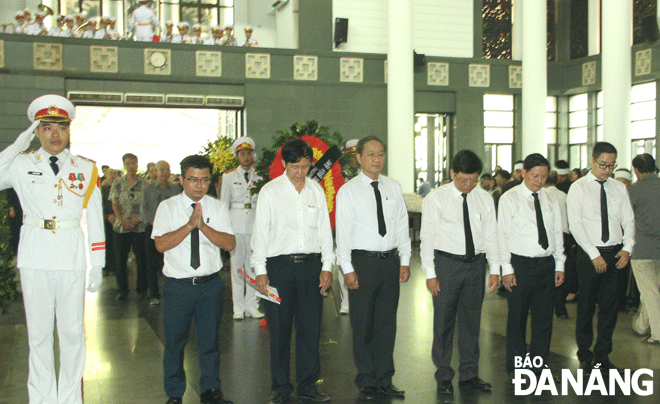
point(241, 206)
point(51, 224)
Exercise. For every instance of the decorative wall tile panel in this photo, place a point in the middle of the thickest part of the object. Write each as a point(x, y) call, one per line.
point(2, 53)
point(438, 74)
point(479, 75)
point(351, 70)
point(47, 56)
point(257, 65)
point(305, 67)
point(158, 61)
point(643, 62)
point(103, 59)
point(589, 73)
point(515, 76)
point(209, 64)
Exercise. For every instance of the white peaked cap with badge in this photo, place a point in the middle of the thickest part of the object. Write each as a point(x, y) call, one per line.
point(51, 108)
point(351, 143)
point(242, 143)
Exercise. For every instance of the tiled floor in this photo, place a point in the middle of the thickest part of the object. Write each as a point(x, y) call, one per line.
point(125, 345)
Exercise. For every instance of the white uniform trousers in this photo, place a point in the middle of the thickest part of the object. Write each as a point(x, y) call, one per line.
point(144, 33)
point(342, 289)
point(242, 294)
point(48, 295)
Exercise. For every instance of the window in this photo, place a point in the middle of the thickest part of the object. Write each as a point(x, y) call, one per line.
point(551, 128)
point(642, 118)
point(431, 163)
point(498, 130)
point(577, 130)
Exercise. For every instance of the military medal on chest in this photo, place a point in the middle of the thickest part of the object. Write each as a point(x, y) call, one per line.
point(76, 181)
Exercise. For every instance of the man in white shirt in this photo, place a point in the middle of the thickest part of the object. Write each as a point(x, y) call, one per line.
point(190, 228)
point(601, 220)
point(237, 194)
point(458, 234)
point(373, 249)
point(54, 187)
point(531, 245)
point(292, 251)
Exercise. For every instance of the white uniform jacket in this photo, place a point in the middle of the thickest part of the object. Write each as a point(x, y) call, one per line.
point(242, 204)
point(63, 197)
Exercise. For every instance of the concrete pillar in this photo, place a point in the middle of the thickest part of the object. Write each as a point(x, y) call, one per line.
point(593, 18)
point(517, 29)
point(534, 77)
point(616, 76)
point(400, 94)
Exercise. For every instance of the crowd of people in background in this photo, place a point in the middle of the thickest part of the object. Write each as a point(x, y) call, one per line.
point(142, 25)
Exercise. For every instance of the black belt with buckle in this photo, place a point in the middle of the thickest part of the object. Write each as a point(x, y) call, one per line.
point(300, 257)
point(198, 280)
point(610, 249)
point(376, 254)
point(532, 260)
point(462, 258)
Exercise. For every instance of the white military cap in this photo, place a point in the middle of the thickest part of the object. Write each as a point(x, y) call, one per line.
point(350, 145)
point(79, 15)
point(215, 28)
point(518, 166)
point(51, 108)
point(242, 143)
point(197, 26)
point(112, 19)
point(18, 14)
point(40, 14)
point(27, 11)
point(69, 17)
point(169, 23)
point(229, 27)
point(623, 173)
point(248, 28)
point(183, 24)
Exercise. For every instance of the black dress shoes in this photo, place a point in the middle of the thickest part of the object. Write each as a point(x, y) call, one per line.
point(213, 396)
point(315, 396)
point(367, 393)
point(475, 383)
point(391, 391)
point(174, 400)
point(445, 387)
point(278, 398)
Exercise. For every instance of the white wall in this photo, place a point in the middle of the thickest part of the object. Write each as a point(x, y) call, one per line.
point(440, 28)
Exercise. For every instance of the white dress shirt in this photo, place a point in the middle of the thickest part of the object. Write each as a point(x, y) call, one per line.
point(584, 220)
point(357, 222)
point(289, 222)
point(561, 199)
point(443, 228)
point(518, 230)
point(175, 212)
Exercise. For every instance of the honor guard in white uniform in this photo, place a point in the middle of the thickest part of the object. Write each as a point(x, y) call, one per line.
point(142, 19)
point(197, 34)
point(229, 39)
point(236, 187)
point(168, 35)
point(216, 36)
point(55, 188)
point(249, 41)
point(111, 32)
point(183, 36)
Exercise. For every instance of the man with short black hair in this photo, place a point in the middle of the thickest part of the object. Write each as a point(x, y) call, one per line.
point(190, 228)
point(644, 196)
point(601, 220)
point(292, 251)
point(459, 232)
point(532, 256)
point(373, 249)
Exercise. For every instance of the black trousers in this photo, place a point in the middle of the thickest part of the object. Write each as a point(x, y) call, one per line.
point(596, 288)
point(570, 276)
point(154, 262)
point(461, 296)
point(373, 308)
point(535, 288)
point(109, 246)
point(123, 244)
point(297, 284)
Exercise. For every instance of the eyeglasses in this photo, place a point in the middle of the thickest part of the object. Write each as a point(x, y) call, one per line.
point(606, 166)
point(466, 181)
point(196, 180)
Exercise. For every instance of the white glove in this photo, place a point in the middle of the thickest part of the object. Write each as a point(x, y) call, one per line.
point(95, 279)
point(23, 140)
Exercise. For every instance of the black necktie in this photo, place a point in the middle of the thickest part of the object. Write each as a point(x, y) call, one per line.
point(382, 230)
point(469, 243)
point(543, 236)
point(604, 221)
point(247, 177)
point(194, 245)
point(53, 164)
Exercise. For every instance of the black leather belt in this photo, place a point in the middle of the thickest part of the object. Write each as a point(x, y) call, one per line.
point(198, 280)
point(461, 258)
point(300, 257)
point(610, 249)
point(376, 254)
point(532, 260)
